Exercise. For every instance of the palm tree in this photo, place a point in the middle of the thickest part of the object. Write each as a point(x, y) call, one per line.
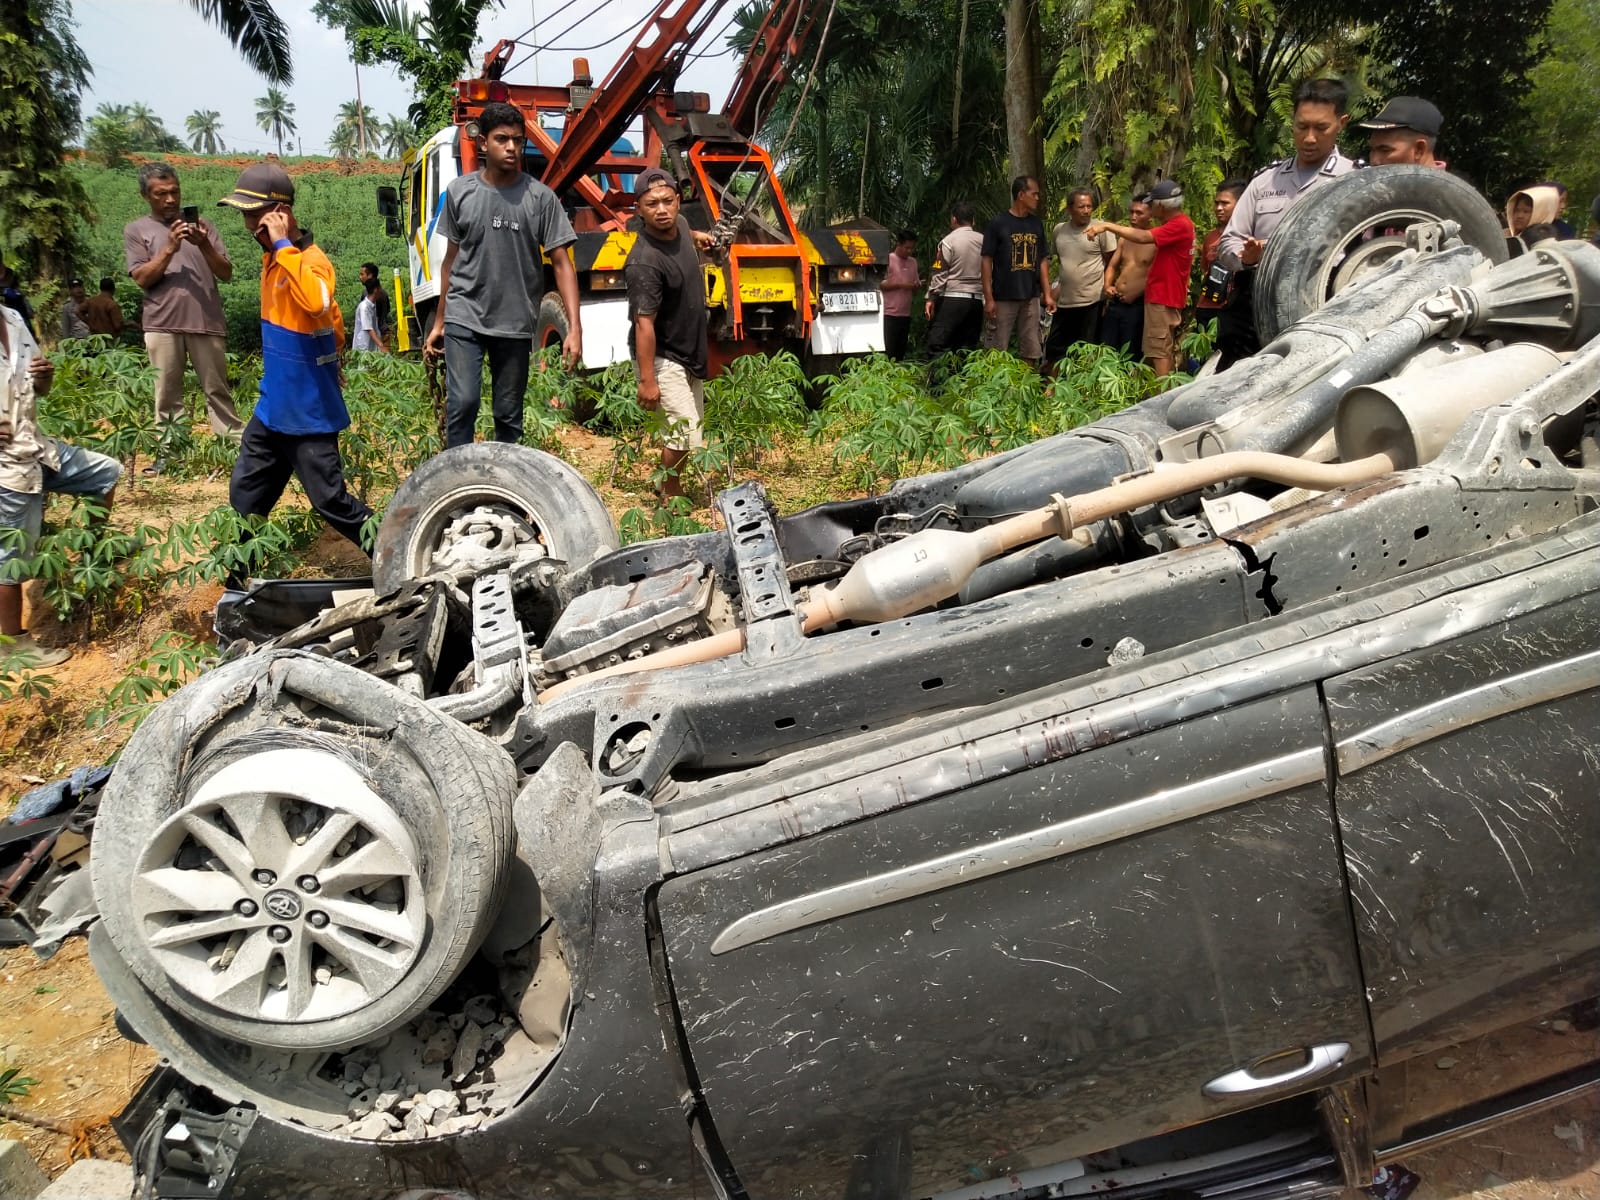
point(114, 114)
point(359, 119)
point(342, 142)
point(396, 135)
point(145, 127)
point(275, 115)
point(256, 31)
point(205, 131)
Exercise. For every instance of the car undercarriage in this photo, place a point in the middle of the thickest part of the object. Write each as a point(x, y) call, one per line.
point(1033, 828)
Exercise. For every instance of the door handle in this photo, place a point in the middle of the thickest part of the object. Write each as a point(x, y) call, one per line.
point(1243, 1082)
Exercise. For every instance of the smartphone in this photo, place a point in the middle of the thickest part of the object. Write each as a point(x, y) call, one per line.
point(191, 214)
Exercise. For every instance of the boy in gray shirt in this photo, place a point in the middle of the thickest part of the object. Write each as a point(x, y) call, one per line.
point(500, 223)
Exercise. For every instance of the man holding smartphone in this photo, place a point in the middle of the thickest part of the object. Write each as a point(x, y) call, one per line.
point(177, 259)
point(295, 427)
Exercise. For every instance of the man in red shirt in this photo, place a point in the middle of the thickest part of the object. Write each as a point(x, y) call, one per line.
point(1166, 289)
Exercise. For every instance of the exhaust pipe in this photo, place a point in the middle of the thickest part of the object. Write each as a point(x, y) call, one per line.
point(1413, 417)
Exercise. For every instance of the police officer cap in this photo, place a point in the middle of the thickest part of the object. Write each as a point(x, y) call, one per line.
point(1407, 112)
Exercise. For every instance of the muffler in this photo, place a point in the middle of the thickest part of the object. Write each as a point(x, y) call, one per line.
point(1412, 418)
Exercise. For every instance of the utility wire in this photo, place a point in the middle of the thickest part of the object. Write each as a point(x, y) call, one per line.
point(548, 45)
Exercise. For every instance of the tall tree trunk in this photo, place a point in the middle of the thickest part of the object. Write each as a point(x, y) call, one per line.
point(1024, 135)
point(961, 58)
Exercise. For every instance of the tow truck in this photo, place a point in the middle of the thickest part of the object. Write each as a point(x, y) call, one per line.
point(770, 284)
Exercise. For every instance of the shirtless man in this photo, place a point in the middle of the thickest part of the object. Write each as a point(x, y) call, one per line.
point(1123, 323)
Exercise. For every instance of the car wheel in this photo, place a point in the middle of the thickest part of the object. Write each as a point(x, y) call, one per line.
point(296, 855)
point(489, 496)
point(1352, 225)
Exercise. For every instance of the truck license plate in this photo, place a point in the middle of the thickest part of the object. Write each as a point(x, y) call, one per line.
point(849, 301)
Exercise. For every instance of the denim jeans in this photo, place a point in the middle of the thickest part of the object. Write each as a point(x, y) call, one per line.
point(464, 352)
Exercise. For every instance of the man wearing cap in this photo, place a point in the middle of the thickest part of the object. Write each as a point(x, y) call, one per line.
point(500, 223)
point(295, 427)
point(667, 315)
point(1320, 115)
point(1404, 132)
point(1166, 287)
point(73, 324)
point(178, 264)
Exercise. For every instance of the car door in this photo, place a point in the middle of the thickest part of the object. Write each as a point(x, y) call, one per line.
point(1467, 800)
point(1078, 924)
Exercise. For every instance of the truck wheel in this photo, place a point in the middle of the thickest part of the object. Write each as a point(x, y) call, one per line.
point(553, 325)
point(296, 855)
point(1352, 225)
point(547, 502)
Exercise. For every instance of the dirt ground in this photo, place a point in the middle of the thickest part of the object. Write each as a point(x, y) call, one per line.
point(56, 1022)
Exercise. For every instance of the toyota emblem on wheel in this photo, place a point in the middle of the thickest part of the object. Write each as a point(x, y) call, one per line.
point(282, 905)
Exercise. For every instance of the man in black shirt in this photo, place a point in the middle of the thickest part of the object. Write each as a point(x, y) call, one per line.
point(1016, 274)
point(667, 313)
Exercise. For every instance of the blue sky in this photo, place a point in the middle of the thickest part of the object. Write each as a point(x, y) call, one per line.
point(160, 53)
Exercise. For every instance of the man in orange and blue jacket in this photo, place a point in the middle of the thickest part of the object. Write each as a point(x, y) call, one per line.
point(295, 427)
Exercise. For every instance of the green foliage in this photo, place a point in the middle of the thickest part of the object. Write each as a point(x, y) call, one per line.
point(1474, 59)
point(889, 419)
point(903, 116)
point(18, 681)
point(756, 402)
point(432, 49)
point(117, 129)
point(275, 115)
point(14, 1085)
point(42, 75)
point(204, 127)
point(1563, 126)
point(256, 31)
point(174, 659)
point(670, 518)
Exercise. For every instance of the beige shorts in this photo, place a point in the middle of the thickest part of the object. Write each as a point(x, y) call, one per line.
point(1161, 325)
point(683, 404)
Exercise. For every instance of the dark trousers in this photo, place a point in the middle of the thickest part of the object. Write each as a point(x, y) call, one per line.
point(1123, 326)
point(1236, 322)
point(1070, 326)
point(957, 325)
point(266, 461)
point(896, 336)
point(464, 352)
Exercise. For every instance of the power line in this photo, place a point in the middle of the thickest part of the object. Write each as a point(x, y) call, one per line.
point(586, 16)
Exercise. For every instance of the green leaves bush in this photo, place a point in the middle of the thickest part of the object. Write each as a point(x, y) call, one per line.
point(887, 420)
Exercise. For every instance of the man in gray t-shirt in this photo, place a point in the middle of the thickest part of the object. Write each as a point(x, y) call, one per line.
point(500, 224)
point(178, 263)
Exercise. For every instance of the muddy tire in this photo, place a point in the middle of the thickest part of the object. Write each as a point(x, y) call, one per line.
point(293, 854)
point(1351, 225)
point(553, 325)
point(548, 499)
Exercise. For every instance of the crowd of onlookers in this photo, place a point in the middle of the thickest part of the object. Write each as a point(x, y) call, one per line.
point(1133, 285)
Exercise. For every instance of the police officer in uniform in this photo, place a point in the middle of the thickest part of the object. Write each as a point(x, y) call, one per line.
point(1320, 115)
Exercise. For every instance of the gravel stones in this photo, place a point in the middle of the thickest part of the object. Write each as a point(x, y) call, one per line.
point(444, 1073)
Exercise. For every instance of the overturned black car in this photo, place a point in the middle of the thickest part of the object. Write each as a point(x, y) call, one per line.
point(1128, 812)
